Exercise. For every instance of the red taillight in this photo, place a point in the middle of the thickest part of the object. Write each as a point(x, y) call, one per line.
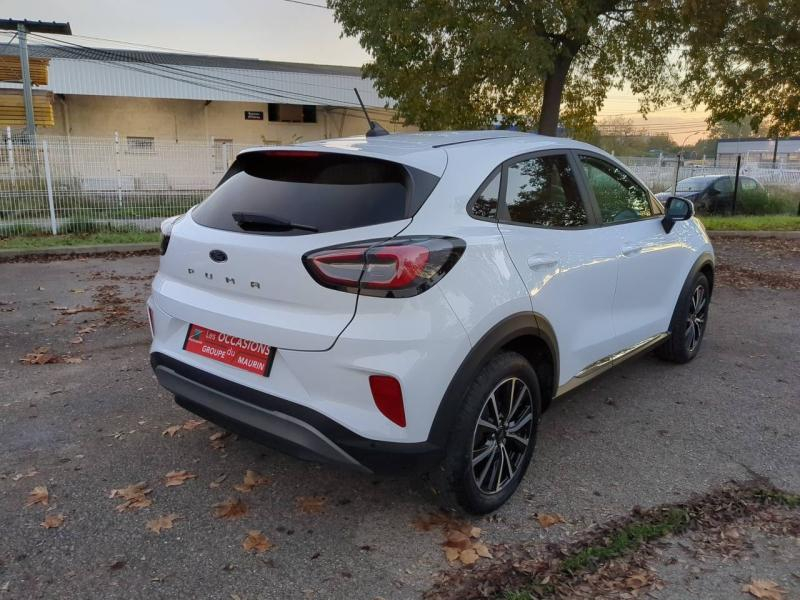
point(388, 398)
point(397, 267)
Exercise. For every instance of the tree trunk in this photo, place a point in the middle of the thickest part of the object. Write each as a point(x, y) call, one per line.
point(553, 90)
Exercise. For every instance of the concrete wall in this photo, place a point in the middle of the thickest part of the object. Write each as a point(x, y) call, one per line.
point(196, 120)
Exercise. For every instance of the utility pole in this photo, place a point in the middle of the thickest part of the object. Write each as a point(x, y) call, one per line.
point(22, 28)
point(775, 152)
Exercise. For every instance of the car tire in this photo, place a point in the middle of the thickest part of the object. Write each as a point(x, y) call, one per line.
point(491, 444)
point(689, 322)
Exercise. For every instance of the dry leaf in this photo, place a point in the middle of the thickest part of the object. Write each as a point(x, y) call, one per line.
point(310, 505)
point(39, 495)
point(171, 430)
point(192, 424)
point(174, 478)
point(161, 523)
point(482, 550)
point(251, 480)
point(255, 540)
point(40, 356)
point(72, 360)
point(764, 588)
point(216, 483)
point(468, 557)
point(452, 554)
point(547, 520)
point(636, 581)
point(218, 439)
point(230, 509)
point(77, 309)
point(18, 476)
point(76, 340)
point(53, 521)
point(135, 496)
point(456, 539)
point(87, 329)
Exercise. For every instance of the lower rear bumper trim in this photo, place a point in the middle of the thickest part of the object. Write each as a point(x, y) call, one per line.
point(280, 430)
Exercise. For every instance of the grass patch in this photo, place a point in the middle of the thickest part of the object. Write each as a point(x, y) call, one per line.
point(627, 540)
point(752, 223)
point(24, 242)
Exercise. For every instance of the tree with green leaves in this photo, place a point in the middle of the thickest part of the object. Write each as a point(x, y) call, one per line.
point(534, 63)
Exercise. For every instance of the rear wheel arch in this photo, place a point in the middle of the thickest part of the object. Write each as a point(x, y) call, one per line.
point(528, 334)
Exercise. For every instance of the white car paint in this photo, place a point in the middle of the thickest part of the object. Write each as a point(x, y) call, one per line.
point(602, 288)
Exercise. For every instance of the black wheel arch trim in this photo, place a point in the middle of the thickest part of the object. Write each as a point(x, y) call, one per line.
point(503, 333)
point(703, 261)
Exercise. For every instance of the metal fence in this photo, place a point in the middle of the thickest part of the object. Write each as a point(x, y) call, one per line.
point(660, 173)
point(76, 184)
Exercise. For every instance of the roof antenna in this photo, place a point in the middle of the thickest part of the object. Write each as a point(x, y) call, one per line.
point(374, 128)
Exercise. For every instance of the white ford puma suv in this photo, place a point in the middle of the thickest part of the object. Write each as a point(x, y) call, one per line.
point(419, 298)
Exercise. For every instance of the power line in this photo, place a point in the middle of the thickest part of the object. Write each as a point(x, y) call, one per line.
point(307, 4)
point(205, 79)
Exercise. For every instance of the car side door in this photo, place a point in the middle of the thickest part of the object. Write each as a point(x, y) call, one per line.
point(568, 265)
point(651, 265)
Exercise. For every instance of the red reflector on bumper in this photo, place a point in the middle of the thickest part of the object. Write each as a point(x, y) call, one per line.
point(388, 398)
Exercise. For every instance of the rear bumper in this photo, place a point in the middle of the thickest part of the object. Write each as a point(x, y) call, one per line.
point(286, 426)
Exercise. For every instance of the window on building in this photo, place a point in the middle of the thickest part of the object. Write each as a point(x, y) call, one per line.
point(542, 191)
point(141, 145)
point(618, 196)
point(223, 154)
point(292, 113)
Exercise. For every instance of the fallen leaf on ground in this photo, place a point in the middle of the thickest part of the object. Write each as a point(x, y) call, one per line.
point(40, 356)
point(764, 588)
point(135, 497)
point(192, 424)
point(53, 521)
point(310, 505)
point(39, 495)
point(171, 430)
point(78, 309)
point(174, 478)
point(461, 539)
point(548, 520)
point(161, 523)
point(76, 340)
point(87, 329)
point(251, 480)
point(256, 541)
point(218, 439)
point(72, 360)
point(230, 509)
point(216, 483)
point(18, 476)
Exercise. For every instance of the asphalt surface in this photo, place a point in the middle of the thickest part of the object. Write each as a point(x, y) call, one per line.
point(646, 433)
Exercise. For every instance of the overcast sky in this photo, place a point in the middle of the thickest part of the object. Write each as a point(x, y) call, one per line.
point(265, 29)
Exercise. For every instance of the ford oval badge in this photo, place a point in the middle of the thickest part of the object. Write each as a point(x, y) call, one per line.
point(218, 256)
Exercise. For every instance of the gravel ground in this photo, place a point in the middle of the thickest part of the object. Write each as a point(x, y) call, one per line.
point(644, 434)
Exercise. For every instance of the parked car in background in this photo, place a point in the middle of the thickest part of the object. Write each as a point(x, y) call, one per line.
point(375, 301)
point(713, 194)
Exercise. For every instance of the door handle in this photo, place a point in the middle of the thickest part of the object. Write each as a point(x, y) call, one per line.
point(541, 260)
point(628, 249)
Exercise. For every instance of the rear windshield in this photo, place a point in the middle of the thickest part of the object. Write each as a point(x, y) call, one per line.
point(300, 192)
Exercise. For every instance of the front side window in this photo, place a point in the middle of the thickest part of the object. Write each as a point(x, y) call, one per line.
point(724, 185)
point(618, 196)
point(542, 191)
point(485, 204)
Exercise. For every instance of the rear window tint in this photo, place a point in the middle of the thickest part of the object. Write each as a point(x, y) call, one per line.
point(320, 191)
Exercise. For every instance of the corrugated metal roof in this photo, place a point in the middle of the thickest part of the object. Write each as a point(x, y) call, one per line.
point(112, 72)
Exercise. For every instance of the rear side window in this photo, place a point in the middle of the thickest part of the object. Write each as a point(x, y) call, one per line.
point(301, 192)
point(542, 191)
point(484, 206)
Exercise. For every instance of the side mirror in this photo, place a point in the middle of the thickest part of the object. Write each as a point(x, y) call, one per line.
point(676, 209)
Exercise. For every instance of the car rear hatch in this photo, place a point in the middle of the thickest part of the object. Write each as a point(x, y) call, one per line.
point(234, 264)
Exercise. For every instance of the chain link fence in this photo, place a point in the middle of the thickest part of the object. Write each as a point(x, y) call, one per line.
point(79, 185)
